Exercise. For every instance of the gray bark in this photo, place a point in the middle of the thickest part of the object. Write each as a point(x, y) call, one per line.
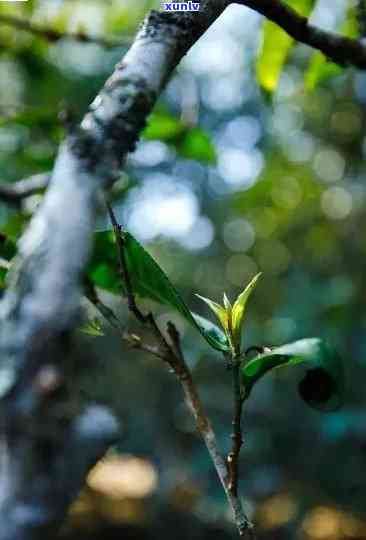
point(47, 443)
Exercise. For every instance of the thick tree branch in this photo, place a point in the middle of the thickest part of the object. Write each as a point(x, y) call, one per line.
point(42, 302)
point(339, 49)
point(53, 35)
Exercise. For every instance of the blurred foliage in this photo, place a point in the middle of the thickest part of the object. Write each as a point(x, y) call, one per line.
point(225, 185)
point(190, 142)
point(275, 48)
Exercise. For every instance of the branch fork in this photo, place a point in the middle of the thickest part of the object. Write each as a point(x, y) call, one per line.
point(172, 354)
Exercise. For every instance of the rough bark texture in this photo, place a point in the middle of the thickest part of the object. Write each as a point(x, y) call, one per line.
point(47, 445)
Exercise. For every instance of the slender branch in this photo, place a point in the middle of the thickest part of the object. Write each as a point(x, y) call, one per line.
point(122, 266)
point(237, 438)
point(107, 312)
point(53, 35)
point(14, 192)
point(204, 427)
point(340, 49)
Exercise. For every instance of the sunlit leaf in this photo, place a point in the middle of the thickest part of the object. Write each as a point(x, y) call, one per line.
point(275, 48)
point(164, 127)
point(321, 69)
point(323, 385)
point(240, 305)
point(149, 280)
point(210, 329)
point(220, 312)
point(92, 328)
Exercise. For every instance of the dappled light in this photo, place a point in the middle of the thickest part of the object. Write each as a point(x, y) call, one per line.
point(218, 151)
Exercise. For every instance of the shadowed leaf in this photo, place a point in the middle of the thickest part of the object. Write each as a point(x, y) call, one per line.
point(323, 385)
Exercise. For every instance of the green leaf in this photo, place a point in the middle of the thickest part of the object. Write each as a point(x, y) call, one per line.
point(103, 267)
point(276, 45)
point(239, 307)
point(197, 145)
point(275, 48)
point(148, 281)
point(163, 126)
point(350, 27)
point(320, 70)
point(215, 334)
point(189, 142)
point(14, 227)
point(92, 328)
point(323, 385)
point(220, 312)
point(7, 252)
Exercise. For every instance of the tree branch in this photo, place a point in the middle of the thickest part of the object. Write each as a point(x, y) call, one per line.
point(53, 36)
point(237, 437)
point(14, 192)
point(339, 49)
point(42, 302)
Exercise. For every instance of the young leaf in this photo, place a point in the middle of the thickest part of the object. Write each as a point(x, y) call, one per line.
point(210, 329)
point(219, 311)
point(276, 45)
point(323, 385)
point(92, 328)
point(239, 307)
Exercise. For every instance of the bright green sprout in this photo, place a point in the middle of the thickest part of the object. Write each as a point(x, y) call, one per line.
point(231, 317)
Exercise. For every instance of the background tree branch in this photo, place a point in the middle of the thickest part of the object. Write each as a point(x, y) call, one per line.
point(53, 35)
point(42, 302)
point(339, 49)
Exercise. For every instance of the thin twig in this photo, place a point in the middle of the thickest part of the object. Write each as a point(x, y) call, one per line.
point(237, 437)
point(109, 315)
point(107, 312)
point(53, 35)
point(14, 192)
point(122, 266)
point(340, 49)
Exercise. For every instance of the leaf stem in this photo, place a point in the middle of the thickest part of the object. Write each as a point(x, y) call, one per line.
point(237, 437)
point(122, 265)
